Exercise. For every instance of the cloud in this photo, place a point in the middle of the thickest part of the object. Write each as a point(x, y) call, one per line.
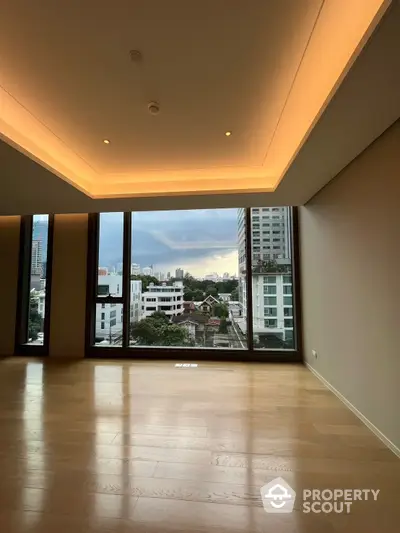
point(172, 239)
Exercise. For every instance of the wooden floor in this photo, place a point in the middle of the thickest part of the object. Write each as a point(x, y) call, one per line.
point(147, 447)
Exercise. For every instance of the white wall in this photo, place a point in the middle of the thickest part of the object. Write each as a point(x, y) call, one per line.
point(350, 267)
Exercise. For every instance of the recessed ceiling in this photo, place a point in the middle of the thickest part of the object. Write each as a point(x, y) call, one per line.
point(264, 70)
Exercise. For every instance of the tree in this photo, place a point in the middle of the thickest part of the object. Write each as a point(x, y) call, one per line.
point(235, 295)
point(35, 322)
point(211, 290)
point(270, 265)
point(174, 335)
point(146, 280)
point(156, 330)
point(198, 295)
point(193, 295)
point(220, 310)
point(160, 316)
point(223, 327)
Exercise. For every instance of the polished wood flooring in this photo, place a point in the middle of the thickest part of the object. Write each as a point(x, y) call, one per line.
point(148, 447)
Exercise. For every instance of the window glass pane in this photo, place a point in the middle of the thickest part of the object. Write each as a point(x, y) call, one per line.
point(110, 267)
point(38, 274)
point(271, 275)
point(186, 270)
point(270, 279)
point(269, 289)
point(109, 320)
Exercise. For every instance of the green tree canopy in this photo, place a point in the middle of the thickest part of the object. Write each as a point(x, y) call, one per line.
point(146, 280)
point(156, 330)
point(223, 326)
point(235, 295)
point(221, 310)
point(35, 322)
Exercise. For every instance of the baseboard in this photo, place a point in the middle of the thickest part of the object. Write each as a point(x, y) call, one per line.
point(358, 414)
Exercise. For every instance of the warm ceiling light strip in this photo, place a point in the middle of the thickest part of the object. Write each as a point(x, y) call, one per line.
point(340, 33)
point(22, 130)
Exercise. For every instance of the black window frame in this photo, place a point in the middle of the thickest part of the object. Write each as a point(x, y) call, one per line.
point(21, 346)
point(176, 353)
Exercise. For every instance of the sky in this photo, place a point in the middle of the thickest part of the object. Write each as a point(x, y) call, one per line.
point(199, 241)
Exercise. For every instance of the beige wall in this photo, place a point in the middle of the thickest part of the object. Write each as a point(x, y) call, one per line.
point(67, 315)
point(68, 298)
point(350, 263)
point(9, 254)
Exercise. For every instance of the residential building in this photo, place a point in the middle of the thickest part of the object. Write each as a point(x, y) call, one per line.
point(165, 298)
point(272, 309)
point(135, 269)
point(270, 245)
point(225, 296)
point(148, 271)
point(109, 316)
point(179, 273)
point(195, 323)
point(207, 305)
point(37, 259)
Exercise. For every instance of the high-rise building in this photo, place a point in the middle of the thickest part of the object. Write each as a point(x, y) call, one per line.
point(179, 273)
point(272, 288)
point(148, 271)
point(135, 269)
point(36, 263)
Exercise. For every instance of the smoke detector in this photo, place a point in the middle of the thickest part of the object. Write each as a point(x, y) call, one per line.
point(154, 108)
point(136, 55)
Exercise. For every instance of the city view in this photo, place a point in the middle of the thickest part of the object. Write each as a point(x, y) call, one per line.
point(188, 276)
point(188, 279)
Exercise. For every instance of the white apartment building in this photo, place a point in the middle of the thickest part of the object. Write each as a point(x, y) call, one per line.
point(165, 298)
point(148, 271)
point(37, 259)
point(109, 316)
point(273, 306)
point(272, 292)
point(135, 269)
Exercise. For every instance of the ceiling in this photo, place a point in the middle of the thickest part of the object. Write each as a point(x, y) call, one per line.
point(269, 71)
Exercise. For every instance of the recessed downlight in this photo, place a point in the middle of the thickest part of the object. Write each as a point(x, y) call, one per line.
point(106, 141)
point(228, 133)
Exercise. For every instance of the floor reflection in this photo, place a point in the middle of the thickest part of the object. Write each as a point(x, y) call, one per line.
point(115, 446)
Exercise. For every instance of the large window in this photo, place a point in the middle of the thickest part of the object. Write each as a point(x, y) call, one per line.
point(272, 274)
point(180, 280)
point(34, 284)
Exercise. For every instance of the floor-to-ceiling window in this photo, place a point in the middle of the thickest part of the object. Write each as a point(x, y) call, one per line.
point(32, 324)
point(211, 280)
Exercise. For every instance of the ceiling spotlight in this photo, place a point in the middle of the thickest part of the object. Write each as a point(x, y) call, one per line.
point(106, 141)
point(136, 55)
point(228, 133)
point(154, 108)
